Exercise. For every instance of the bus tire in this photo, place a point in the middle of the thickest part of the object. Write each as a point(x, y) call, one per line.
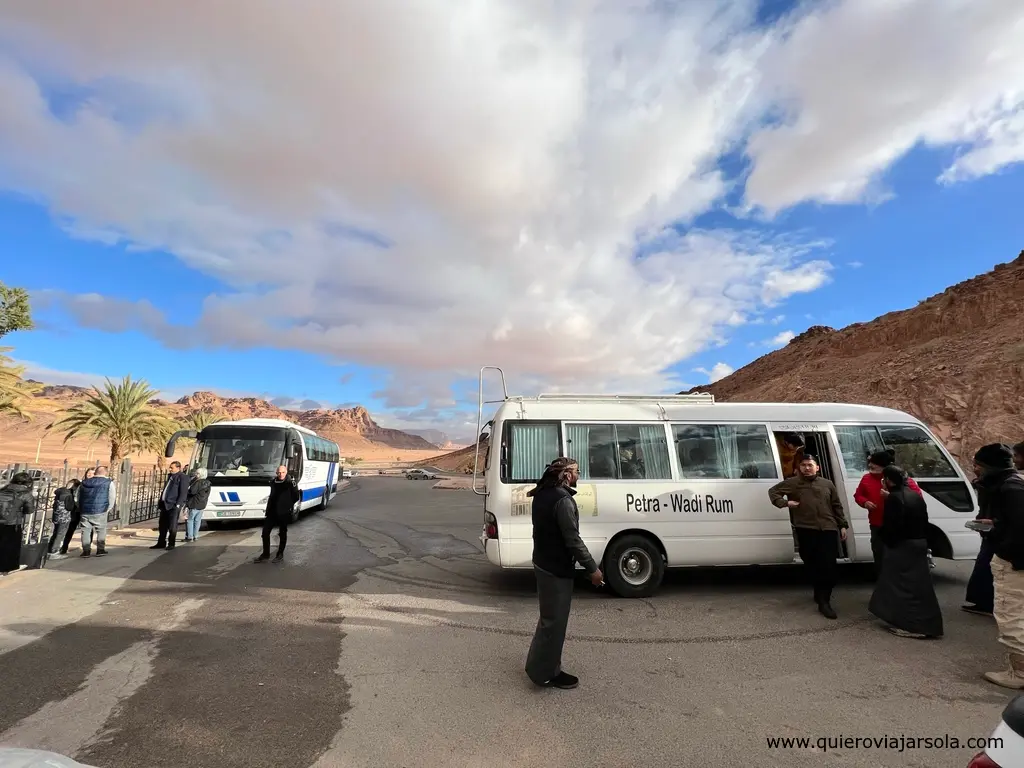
point(633, 566)
point(296, 512)
point(323, 502)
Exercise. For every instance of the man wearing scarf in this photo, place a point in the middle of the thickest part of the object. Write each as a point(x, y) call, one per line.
point(557, 547)
point(1003, 491)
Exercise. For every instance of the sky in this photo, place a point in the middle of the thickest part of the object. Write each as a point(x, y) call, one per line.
point(346, 202)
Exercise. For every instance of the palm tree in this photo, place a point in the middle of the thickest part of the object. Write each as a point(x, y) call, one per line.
point(121, 413)
point(14, 390)
point(200, 420)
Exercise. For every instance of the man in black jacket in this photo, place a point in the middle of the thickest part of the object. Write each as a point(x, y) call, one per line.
point(1003, 490)
point(284, 495)
point(172, 501)
point(557, 547)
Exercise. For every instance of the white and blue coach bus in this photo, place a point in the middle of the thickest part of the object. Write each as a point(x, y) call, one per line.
point(241, 457)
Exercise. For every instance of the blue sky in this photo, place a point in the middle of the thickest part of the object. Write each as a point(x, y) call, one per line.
point(227, 228)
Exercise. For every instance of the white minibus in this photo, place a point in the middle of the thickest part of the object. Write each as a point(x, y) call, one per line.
point(680, 480)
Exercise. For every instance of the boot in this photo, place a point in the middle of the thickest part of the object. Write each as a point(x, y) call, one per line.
point(1013, 676)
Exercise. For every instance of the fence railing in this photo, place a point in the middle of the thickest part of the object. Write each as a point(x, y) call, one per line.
point(138, 491)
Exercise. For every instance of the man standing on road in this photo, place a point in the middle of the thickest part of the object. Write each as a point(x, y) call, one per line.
point(284, 495)
point(96, 497)
point(172, 501)
point(557, 547)
point(816, 512)
point(1003, 491)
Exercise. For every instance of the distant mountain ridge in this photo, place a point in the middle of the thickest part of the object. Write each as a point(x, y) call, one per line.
point(353, 429)
point(955, 361)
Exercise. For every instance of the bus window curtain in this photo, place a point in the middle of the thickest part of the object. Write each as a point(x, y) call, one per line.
point(655, 452)
point(728, 451)
point(578, 437)
point(534, 446)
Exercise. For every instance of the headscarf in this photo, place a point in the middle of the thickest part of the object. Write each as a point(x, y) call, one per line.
point(557, 473)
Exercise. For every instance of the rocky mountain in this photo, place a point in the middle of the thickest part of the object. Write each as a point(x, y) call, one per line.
point(461, 461)
point(955, 361)
point(355, 431)
point(435, 436)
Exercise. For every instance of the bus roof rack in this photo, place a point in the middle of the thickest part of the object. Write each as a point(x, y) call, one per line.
point(696, 397)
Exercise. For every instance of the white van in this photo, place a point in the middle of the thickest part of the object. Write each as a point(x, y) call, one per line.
point(680, 480)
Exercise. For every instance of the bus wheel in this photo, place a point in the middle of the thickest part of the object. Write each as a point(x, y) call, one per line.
point(323, 502)
point(633, 566)
point(296, 511)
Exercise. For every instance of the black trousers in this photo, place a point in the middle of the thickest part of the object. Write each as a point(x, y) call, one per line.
point(818, 550)
point(10, 547)
point(168, 526)
point(282, 534)
point(554, 594)
point(877, 547)
point(76, 518)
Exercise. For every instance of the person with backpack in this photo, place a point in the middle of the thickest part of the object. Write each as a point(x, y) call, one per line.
point(15, 505)
point(63, 510)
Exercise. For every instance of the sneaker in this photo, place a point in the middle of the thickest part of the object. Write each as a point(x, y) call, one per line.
point(279, 558)
point(158, 545)
point(827, 610)
point(262, 559)
point(86, 553)
point(100, 552)
point(58, 556)
point(563, 680)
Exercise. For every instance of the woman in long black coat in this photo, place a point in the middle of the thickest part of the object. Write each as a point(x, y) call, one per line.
point(904, 597)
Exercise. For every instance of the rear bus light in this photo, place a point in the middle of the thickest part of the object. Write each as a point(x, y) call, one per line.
point(981, 760)
point(490, 526)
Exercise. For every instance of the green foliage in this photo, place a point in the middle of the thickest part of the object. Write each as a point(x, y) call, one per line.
point(14, 390)
point(120, 413)
point(15, 312)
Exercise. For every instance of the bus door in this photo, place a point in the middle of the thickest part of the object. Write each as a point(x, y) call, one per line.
point(818, 442)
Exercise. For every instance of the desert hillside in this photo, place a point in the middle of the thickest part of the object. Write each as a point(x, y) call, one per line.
point(460, 461)
point(955, 361)
point(357, 434)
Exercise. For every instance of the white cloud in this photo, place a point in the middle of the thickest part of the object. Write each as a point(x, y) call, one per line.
point(718, 371)
point(429, 187)
point(782, 339)
point(865, 81)
point(855, 264)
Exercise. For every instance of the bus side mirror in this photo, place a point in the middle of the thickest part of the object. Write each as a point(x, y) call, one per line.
point(293, 451)
point(189, 433)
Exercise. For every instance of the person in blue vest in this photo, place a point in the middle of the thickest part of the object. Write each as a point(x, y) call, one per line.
point(172, 501)
point(96, 496)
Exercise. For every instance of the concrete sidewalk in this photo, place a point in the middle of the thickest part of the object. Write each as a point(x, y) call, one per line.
point(69, 589)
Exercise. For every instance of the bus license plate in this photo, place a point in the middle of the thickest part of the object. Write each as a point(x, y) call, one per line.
point(229, 513)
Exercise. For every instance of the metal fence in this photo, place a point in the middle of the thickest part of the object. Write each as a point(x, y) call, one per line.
point(138, 489)
point(143, 495)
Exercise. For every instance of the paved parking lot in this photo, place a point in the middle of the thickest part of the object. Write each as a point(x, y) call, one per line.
point(386, 639)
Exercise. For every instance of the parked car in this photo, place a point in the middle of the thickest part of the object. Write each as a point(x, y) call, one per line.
point(1006, 746)
point(347, 473)
point(420, 474)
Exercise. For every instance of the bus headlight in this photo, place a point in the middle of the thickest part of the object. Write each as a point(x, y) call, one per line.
point(263, 501)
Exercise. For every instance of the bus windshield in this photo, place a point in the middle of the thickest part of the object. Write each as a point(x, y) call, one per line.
point(241, 453)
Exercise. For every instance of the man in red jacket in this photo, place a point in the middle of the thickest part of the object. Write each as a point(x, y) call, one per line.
point(871, 494)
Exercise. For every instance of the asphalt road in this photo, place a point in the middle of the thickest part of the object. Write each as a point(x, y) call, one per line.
point(387, 640)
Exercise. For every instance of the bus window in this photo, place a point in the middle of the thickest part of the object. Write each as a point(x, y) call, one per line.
point(532, 446)
point(916, 452)
point(725, 451)
point(855, 443)
point(619, 451)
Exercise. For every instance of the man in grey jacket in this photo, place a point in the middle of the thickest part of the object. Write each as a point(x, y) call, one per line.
point(557, 547)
